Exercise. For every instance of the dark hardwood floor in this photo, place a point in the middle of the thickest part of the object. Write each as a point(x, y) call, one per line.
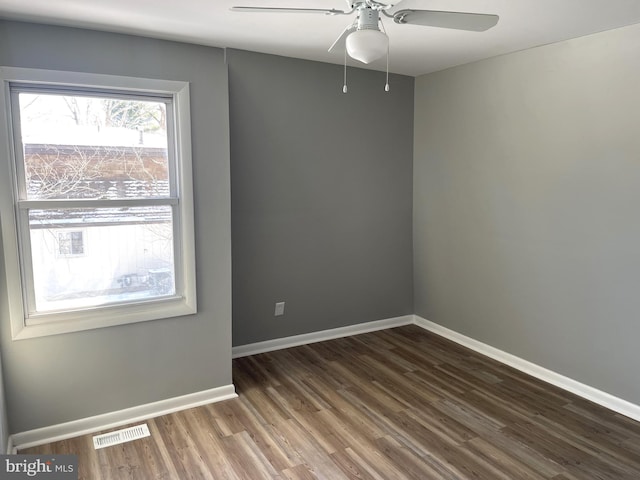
point(396, 404)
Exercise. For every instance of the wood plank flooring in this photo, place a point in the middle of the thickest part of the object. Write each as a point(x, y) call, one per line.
point(397, 404)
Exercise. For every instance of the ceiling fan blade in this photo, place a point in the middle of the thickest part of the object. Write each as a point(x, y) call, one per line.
point(324, 11)
point(475, 22)
point(340, 43)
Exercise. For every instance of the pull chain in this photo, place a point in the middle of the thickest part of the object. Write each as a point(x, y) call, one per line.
point(344, 86)
point(386, 85)
point(384, 30)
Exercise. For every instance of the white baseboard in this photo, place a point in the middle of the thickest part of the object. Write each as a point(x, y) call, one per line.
point(605, 399)
point(144, 412)
point(321, 336)
point(585, 391)
point(109, 420)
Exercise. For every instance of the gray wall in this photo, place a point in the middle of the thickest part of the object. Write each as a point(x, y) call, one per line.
point(526, 194)
point(321, 196)
point(59, 378)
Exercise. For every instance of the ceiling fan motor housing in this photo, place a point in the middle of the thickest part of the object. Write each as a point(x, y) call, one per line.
point(368, 19)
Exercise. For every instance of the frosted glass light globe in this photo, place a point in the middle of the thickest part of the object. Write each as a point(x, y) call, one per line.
point(367, 45)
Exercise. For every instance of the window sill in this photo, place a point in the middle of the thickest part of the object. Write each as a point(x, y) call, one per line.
point(88, 319)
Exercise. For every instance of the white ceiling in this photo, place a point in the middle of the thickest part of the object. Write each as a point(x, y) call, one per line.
point(415, 50)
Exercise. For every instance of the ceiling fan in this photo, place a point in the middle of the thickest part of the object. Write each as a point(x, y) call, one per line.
point(364, 39)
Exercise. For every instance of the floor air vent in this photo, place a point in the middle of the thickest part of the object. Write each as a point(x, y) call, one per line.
point(121, 436)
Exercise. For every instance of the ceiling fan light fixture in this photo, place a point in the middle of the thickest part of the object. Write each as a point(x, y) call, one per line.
point(367, 45)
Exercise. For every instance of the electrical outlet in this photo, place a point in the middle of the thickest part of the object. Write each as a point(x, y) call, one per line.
point(279, 309)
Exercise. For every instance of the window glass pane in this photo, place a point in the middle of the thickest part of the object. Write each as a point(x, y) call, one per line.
point(86, 257)
point(79, 147)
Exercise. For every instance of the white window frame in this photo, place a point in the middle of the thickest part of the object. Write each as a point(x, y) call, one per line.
point(184, 301)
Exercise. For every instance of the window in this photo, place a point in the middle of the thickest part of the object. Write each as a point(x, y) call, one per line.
point(102, 161)
point(70, 243)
